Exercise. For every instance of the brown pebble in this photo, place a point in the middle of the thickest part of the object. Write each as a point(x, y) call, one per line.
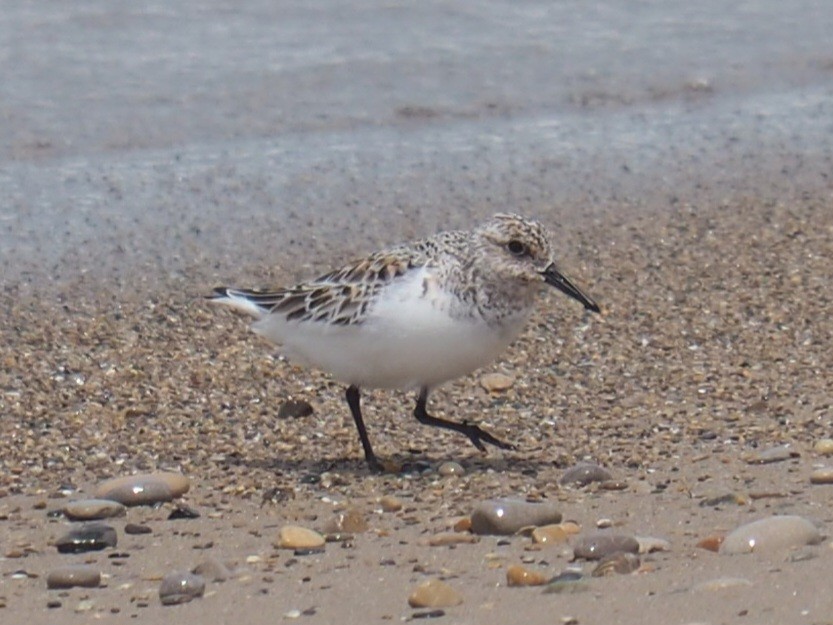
point(822, 476)
point(390, 504)
point(553, 534)
point(520, 576)
point(448, 538)
point(711, 543)
point(143, 489)
point(619, 562)
point(350, 521)
point(295, 537)
point(824, 447)
point(496, 382)
point(434, 593)
point(73, 575)
point(462, 525)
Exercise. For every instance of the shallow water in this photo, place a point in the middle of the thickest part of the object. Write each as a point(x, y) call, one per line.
point(173, 136)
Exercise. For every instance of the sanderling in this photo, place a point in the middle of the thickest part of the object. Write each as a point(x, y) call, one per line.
point(413, 316)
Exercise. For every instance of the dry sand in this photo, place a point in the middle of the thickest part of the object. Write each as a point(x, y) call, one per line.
point(714, 345)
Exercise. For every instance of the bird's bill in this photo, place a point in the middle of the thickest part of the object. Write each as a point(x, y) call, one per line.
point(557, 279)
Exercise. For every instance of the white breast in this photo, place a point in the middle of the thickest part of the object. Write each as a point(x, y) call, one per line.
point(408, 340)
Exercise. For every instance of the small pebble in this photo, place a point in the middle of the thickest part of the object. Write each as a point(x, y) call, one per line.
point(521, 576)
point(181, 587)
point(143, 488)
point(88, 537)
point(434, 593)
point(93, 509)
point(295, 537)
point(135, 529)
point(447, 469)
point(350, 521)
point(584, 473)
point(553, 534)
point(619, 562)
point(773, 454)
point(824, 446)
point(566, 583)
point(444, 539)
point(212, 569)
point(822, 476)
point(390, 504)
point(496, 382)
point(712, 542)
point(294, 409)
point(601, 544)
point(181, 511)
point(770, 534)
point(80, 575)
point(507, 516)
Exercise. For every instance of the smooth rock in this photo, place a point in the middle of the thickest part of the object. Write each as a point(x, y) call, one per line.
point(81, 575)
point(553, 534)
point(88, 537)
point(824, 447)
point(181, 587)
point(823, 475)
point(521, 576)
point(390, 503)
point(93, 509)
point(496, 382)
point(585, 473)
point(143, 488)
point(434, 593)
point(507, 516)
point(619, 562)
point(135, 529)
point(566, 583)
point(212, 570)
point(601, 544)
point(350, 521)
point(773, 454)
point(771, 534)
point(711, 542)
point(294, 409)
point(449, 468)
point(296, 537)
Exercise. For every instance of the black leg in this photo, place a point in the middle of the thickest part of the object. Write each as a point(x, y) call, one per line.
point(475, 434)
point(354, 400)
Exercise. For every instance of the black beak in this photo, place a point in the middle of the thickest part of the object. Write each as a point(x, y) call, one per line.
point(555, 278)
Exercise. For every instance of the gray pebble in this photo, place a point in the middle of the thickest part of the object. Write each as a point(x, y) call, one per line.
point(88, 537)
point(771, 534)
point(566, 583)
point(773, 454)
point(598, 545)
point(181, 587)
point(585, 473)
point(447, 469)
point(73, 575)
point(294, 409)
point(507, 516)
point(213, 570)
point(93, 509)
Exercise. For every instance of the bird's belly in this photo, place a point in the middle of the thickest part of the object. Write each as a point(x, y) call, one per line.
point(401, 347)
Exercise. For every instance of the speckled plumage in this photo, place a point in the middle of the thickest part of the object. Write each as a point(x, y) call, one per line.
point(415, 315)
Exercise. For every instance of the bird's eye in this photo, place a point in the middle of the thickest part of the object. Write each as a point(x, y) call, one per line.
point(516, 248)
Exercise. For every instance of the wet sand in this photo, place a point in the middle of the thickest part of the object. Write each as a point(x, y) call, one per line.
point(701, 221)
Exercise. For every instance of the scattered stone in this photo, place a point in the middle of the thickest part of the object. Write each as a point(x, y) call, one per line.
point(448, 469)
point(603, 524)
point(181, 511)
point(824, 447)
point(619, 562)
point(496, 382)
point(713, 501)
point(143, 488)
point(85, 605)
point(507, 516)
point(390, 504)
point(135, 529)
point(181, 587)
point(520, 576)
point(462, 525)
point(585, 473)
point(601, 544)
point(553, 534)
point(823, 475)
point(295, 537)
point(294, 409)
point(444, 539)
point(93, 509)
point(722, 583)
point(712, 543)
point(570, 527)
point(88, 537)
point(434, 593)
point(212, 569)
point(649, 544)
point(566, 583)
point(350, 521)
point(429, 614)
point(771, 534)
point(773, 454)
point(80, 575)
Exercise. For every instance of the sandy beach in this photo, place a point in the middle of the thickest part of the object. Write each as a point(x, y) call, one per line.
point(695, 204)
